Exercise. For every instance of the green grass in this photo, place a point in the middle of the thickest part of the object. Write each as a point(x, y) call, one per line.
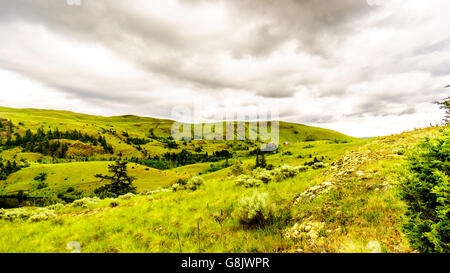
point(153, 225)
point(354, 213)
point(360, 209)
point(80, 175)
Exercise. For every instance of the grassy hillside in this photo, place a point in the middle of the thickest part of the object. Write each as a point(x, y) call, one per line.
point(134, 137)
point(81, 176)
point(139, 126)
point(351, 205)
point(321, 192)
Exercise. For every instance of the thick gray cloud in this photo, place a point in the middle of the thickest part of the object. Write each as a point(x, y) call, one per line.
point(335, 64)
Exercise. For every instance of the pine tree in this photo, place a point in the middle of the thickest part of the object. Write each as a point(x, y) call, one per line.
point(120, 181)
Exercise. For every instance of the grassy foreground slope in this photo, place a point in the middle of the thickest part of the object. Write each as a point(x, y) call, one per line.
point(350, 206)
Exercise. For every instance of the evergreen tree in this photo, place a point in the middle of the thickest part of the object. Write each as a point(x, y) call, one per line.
point(120, 181)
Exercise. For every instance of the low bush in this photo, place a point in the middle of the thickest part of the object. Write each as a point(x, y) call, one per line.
point(302, 168)
point(237, 168)
point(319, 165)
point(85, 202)
point(127, 196)
point(15, 214)
point(31, 214)
point(254, 210)
point(175, 187)
point(56, 207)
point(42, 215)
point(194, 183)
point(262, 174)
point(248, 181)
point(285, 172)
point(114, 203)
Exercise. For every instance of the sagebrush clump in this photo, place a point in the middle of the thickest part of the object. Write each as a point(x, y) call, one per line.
point(255, 209)
point(56, 207)
point(30, 214)
point(85, 202)
point(261, 176)
point(42, 215)
point(285, 172)
point(248, 181)
point(192, 184)
point(14, 214)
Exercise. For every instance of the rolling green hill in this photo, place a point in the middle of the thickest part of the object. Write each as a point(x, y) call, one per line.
point(81, 176)
point(350, 205)
point(139, 126)
point(131, 138)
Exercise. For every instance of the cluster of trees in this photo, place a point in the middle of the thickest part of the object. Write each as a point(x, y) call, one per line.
point(184, 157)
point(312, 162)
point(7, 168)
point(40, 141)
point(8, 127)
point(168, 141)
point(134, 140)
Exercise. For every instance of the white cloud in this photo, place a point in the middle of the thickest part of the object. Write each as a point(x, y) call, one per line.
point(346, 65)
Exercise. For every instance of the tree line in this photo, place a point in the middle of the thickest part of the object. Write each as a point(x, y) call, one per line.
point(170, 160)
point(40, 142)
point(7, 168)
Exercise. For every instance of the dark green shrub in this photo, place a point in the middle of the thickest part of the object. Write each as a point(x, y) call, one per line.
point(41, 177)
point(41, 185)
point(426, 192)
point(48, 199)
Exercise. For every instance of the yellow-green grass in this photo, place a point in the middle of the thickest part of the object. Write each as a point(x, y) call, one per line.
point(138, 126)
point(154, 225)
point(80, 175)
point(301, 151)
point(192, 169)
point(186, 221)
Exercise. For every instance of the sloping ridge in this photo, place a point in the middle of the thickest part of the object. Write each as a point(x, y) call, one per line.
point(289, 132)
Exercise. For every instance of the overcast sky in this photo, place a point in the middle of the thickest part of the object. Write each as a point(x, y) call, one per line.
point(362, 67)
